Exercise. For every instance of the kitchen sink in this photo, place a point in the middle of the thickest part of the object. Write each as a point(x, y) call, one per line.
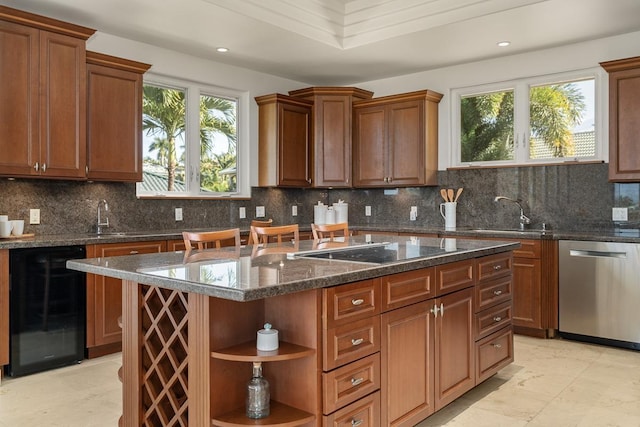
point(509, 231)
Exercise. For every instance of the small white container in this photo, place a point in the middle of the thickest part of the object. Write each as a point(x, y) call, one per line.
point(267, 338)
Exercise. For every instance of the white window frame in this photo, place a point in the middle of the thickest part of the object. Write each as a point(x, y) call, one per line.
point(193, 91)
point(522, 132)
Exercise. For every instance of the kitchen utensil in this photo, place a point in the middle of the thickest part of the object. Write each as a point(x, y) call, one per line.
point(458, 194)
point(450, 195)
point(443, 193)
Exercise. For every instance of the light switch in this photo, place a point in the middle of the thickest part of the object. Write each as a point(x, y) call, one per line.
point(178, 214)
point(242, 212)
point(260, 211)
point(34, 216)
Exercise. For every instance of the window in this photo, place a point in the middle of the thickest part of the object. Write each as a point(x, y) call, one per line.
point(191, 144)
point(537, 120)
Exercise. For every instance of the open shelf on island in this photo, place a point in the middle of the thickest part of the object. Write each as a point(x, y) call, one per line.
point(247, 352)
point(281, 416)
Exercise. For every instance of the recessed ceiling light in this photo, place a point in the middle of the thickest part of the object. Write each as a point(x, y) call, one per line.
point(222, 49)
point(504, 43)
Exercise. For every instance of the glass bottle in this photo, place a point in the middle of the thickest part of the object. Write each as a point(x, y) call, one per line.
point(258, 395)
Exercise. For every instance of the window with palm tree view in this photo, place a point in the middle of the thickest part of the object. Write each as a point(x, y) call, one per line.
point(189, 142)
point(529, 122)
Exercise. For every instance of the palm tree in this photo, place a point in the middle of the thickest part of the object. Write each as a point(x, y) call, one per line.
point(164, 115)
point(487, 121)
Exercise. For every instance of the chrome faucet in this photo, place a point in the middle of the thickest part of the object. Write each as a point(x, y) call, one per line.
point(102, 223)
point(524, 220)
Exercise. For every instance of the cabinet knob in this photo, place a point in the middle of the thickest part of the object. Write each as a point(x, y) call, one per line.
point(497, 267)
point(498, 292)
point(497, 318)
point(356, 342)
point(44, 167)
point(358, 301)
point(36, 167)
point(497, 345)
point(356, 423)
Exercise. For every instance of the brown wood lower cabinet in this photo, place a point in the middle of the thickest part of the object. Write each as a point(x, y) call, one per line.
point(104, 297)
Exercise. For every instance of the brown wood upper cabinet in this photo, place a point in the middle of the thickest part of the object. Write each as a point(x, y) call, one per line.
point(332, 132)
point(42, 96)
point(624, 126)
point(395, 140)
point(114, 90)
point(283, 141)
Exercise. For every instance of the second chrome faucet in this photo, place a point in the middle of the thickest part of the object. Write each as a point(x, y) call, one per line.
point(524, 220)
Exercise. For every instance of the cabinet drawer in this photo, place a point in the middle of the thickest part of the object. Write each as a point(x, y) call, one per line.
point(493, 353)
point(402, 289)
point(493, 266)
point(346, 303)
point(528, 249)
point(454, 276)
point(493, 292)
point(363, 413)
point(350, 342)
point(349, 383)
point(494, 318)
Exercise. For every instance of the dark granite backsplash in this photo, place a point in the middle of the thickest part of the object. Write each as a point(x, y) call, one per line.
point(568, 197)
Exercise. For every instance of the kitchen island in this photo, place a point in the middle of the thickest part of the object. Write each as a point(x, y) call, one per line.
point(386, 340)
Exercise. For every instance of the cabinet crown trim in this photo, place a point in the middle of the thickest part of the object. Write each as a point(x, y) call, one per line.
point(45, 23)
point(621, 64)
point(278, 97)
point(332, 90)
point(96, 58)
point(426, 94)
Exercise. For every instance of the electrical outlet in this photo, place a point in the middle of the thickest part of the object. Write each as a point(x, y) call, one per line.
point(242, 212)
point(367, 211)
point(178, 214)
point(260, 211)
point(619, 214)
point(34, 216)
point(413, 213)
point(294, 210)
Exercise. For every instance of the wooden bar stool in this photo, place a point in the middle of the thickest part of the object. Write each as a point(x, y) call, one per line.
point(329, 231)
point(258, 223)
point(262, 234)
point(200, 238)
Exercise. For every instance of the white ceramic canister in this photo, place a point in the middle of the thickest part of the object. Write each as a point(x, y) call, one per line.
point(267, 338)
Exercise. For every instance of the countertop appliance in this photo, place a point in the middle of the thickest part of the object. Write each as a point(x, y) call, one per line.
point(599, 295)
point(47, 309)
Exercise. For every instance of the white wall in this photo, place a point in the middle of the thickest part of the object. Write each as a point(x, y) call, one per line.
point(556, 60)
point(178, 65)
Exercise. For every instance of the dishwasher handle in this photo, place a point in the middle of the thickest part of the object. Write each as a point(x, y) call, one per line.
point(597, 254)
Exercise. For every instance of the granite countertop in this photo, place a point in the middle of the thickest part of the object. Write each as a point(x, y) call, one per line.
point(251, 273)
point(611, 235)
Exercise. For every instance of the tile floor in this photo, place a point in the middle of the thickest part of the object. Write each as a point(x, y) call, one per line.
point(551, 383)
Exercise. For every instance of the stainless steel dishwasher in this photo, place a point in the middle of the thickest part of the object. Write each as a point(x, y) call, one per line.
point(599, 295)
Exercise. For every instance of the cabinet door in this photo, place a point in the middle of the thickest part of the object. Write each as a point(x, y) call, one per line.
point(293, 151)
point(62, 106)
point(624, 126)
point(4, 308)
point(104, 294)
point(407, 365)
point(527, 298)
point(19, 65)
point(332, 141)
point(406, 147)
point(455, 350)
point(114, 153)
point(369, 146)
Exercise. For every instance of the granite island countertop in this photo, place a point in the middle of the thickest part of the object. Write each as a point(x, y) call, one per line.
point(251, 273)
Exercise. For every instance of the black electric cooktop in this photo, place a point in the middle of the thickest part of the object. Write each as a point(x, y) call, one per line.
point(374, 254)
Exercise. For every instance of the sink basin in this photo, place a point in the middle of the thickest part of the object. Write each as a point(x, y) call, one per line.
point(126, 233)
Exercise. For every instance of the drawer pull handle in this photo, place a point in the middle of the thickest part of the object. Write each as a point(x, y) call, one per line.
point(497, 318)
point(498, 292)
point(357, 301)
point(355, 342)
point(497, 267)
point(356, 381)
point(133, 252)
point(497, 345)
point(355, 423)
